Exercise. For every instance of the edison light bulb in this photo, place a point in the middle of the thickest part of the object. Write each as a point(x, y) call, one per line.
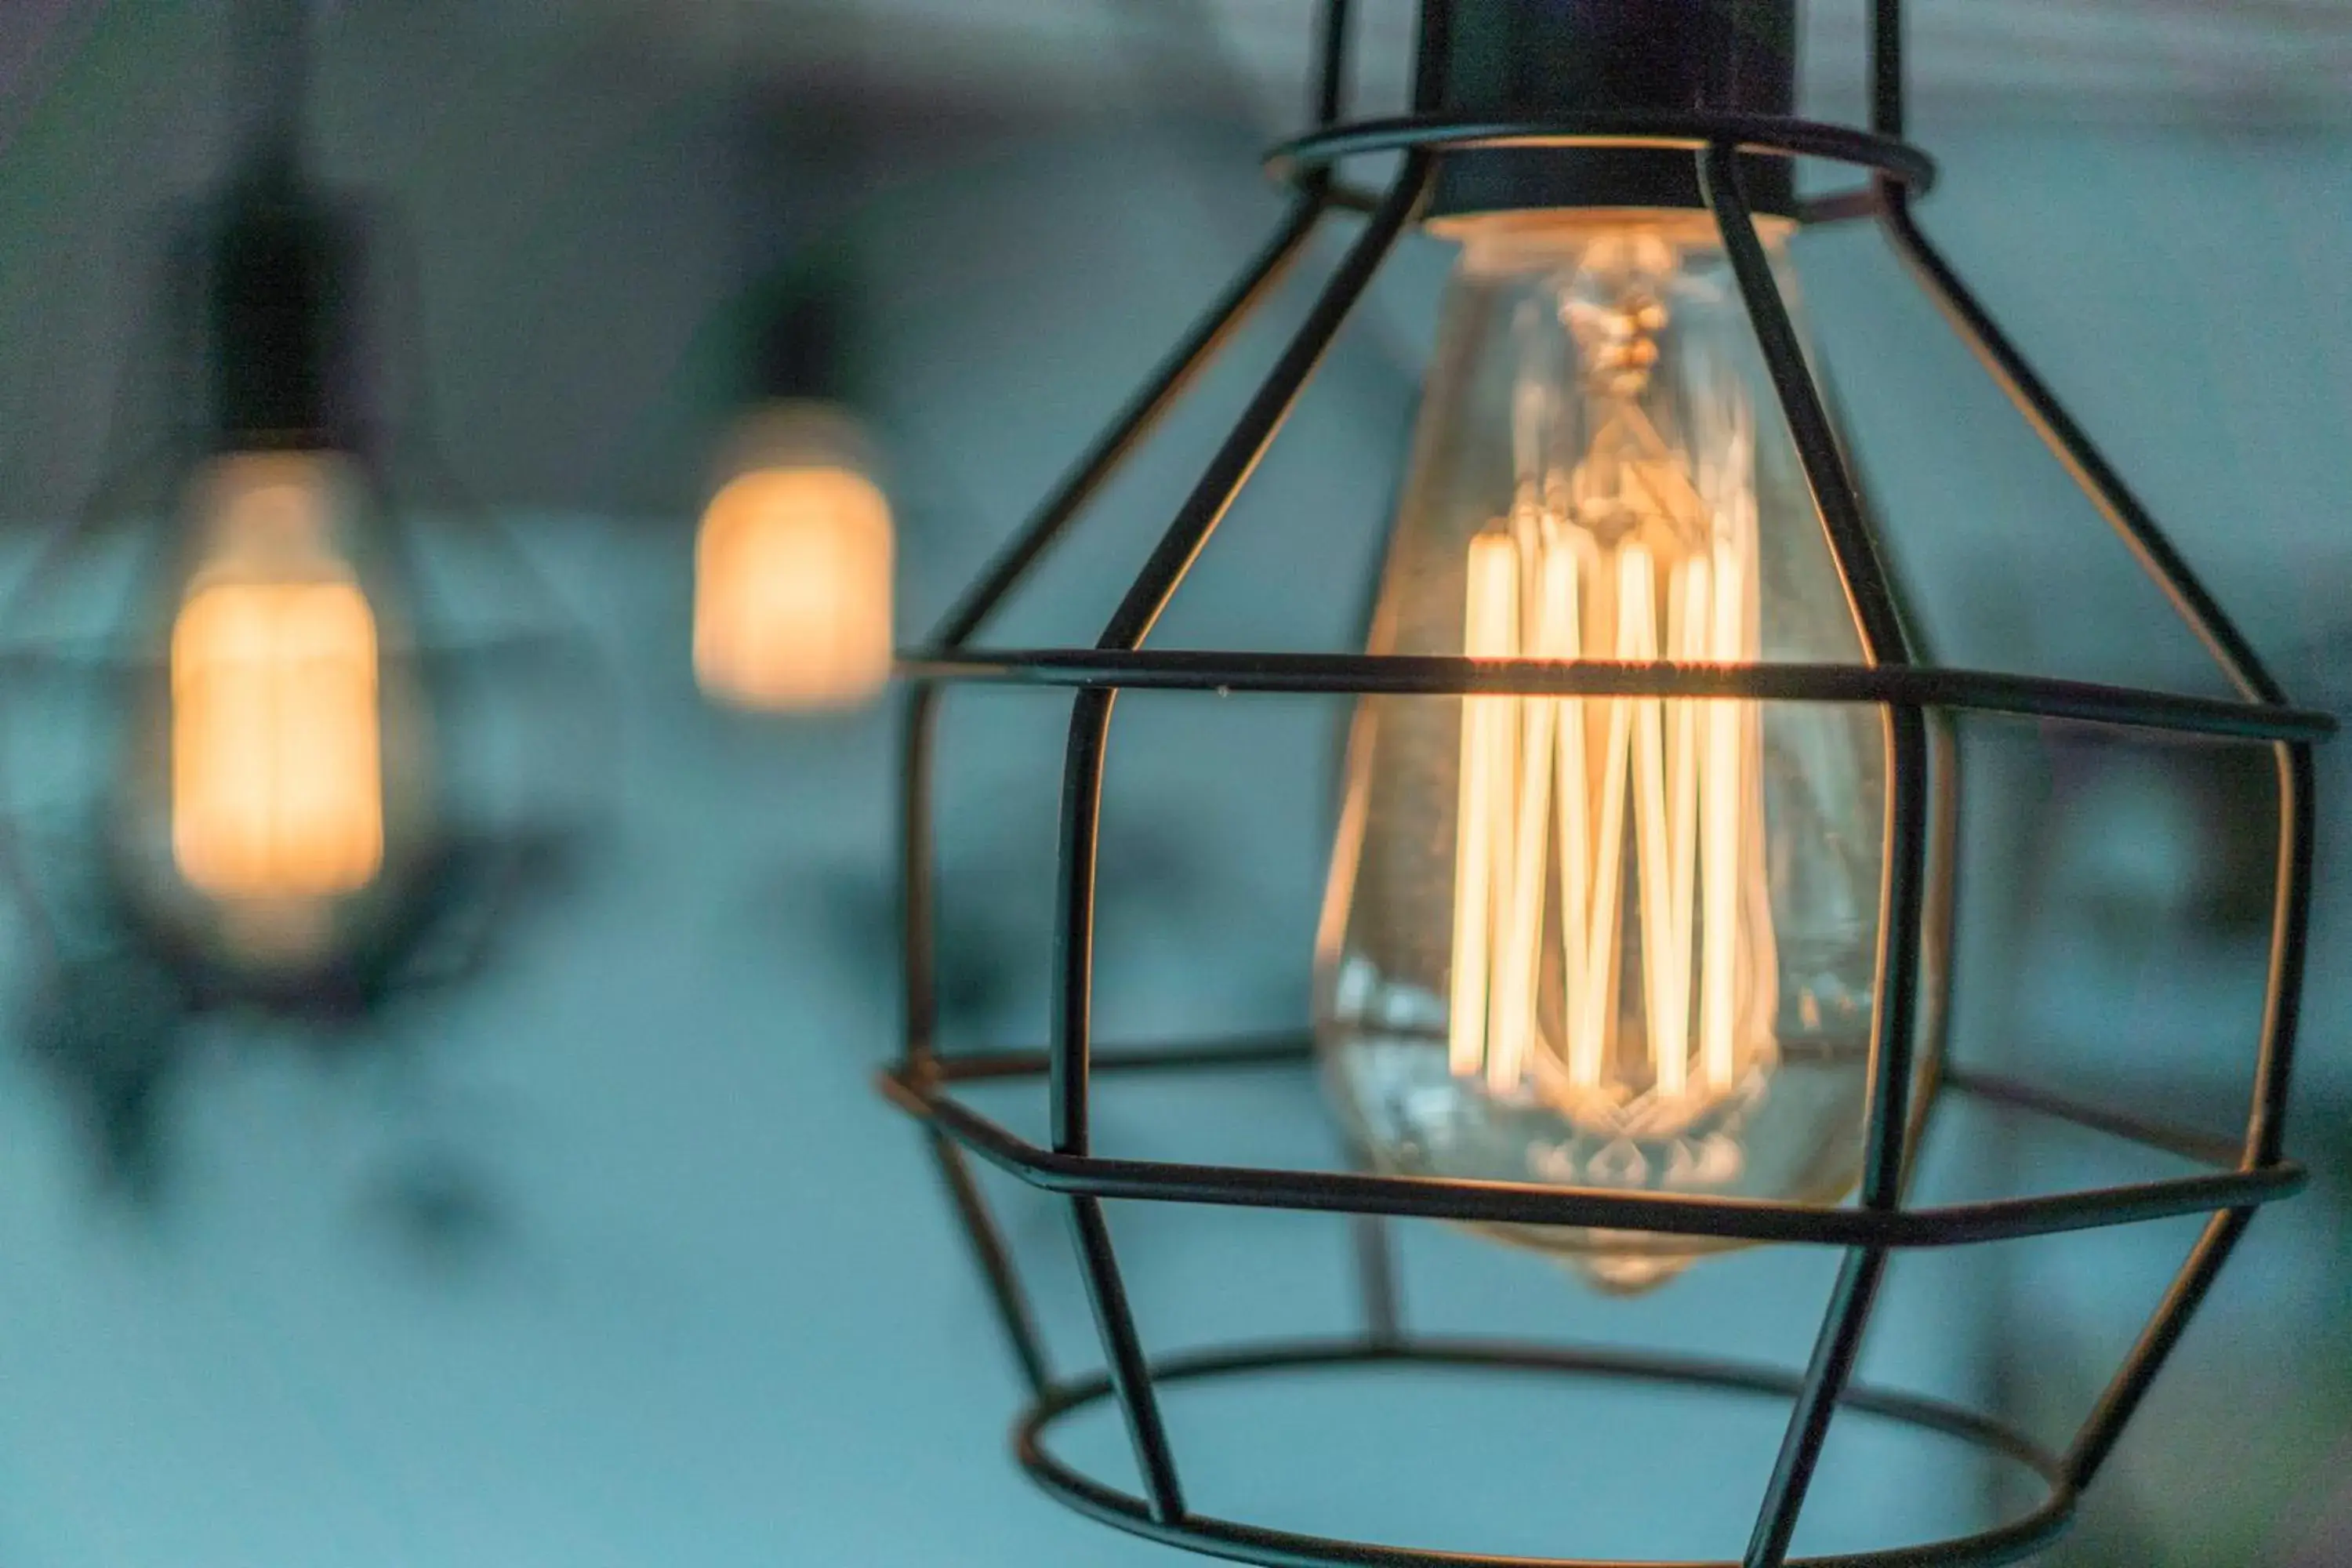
point(1611, 942)
point(792, 592)
point(281, 774)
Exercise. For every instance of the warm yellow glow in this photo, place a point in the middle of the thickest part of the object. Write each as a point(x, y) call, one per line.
point(1547, 787)
point(793, 597)
point(1610, 942)
point(1481, 867)
point(277, 772)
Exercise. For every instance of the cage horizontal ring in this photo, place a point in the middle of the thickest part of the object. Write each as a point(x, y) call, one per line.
point(2004, 1543)
point(1397, 675)
point(1305, 161)
point(919, 1089)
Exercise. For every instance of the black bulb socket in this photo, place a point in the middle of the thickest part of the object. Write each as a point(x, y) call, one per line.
point(1545, 59)
point(800, 350)
point(279, 283)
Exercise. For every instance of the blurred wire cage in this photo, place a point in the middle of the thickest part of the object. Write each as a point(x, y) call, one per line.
point(466, 723)
point(1726, 149)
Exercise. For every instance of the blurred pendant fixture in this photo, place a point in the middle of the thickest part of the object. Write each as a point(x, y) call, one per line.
point(1636, 938)
point(275, 786)
point(286, 787)
point(794, 558)
point(793, 561)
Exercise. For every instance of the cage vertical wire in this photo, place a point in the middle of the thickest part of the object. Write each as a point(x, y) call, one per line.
point(1917, 700)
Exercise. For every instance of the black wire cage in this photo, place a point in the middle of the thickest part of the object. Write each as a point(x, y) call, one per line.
point(274, 339)
point(1730, 152)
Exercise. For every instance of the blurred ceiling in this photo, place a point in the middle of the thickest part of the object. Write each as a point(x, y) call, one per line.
point(703, 143)
point(2252, 63)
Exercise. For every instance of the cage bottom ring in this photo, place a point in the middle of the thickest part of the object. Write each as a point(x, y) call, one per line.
point(1241, 1542)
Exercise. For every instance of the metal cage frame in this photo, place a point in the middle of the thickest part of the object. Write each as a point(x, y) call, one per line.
point(1916, 700)
point(473, 869)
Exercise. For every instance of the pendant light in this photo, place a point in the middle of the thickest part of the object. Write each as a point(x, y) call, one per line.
point(793, 561)
point(308, 724)
point(1636, 937)
point(794, 558)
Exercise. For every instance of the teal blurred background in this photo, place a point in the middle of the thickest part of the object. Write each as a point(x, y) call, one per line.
point(611, 1254)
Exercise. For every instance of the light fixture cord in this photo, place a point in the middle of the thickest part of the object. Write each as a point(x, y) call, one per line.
point(271, 75)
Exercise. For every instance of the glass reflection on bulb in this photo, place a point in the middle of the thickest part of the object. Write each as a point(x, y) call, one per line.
point(284, 769)
point(1614, 943)
point(793, 568)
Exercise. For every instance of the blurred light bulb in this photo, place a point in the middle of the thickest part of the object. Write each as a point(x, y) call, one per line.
point(1616, 943)
point(276, 782)
point(291, 752)
point(793, 568)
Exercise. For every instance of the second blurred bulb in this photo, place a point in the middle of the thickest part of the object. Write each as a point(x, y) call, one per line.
point(793, 566)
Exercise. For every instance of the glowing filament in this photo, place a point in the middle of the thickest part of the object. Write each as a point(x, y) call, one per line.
point(277, 776)
point(1562, 798)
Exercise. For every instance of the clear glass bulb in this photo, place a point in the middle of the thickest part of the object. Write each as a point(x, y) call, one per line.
point(1623, 943)
point(793, 569)
point(278, 772)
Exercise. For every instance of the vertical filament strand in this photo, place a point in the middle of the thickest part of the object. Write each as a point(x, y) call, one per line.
point(1490, 621)
point(1549, 788)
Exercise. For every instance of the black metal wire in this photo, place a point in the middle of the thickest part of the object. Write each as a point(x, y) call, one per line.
point(2006, 1542)
point(2137, 528)
point(2290, 951)
point(1429, 58)
point(2073, 448)
point(1293, 1049)
point(1402, 675)
point(1887, 86)
point(274, 42)
point(1129, 1374)
point(2206, 1149)
point(1376, 1281)
point(1330, 89)
point(2121, 1396)
point(1082, 801)
point(1169, 559)
point(1940, 920)
point(1604, 1208)
point(1244, 448)
point(1013, 564)
point(1917, 893)
point(995, 1262)
point(1268, 1050)
point(1309, 160)
point(1903, 894)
